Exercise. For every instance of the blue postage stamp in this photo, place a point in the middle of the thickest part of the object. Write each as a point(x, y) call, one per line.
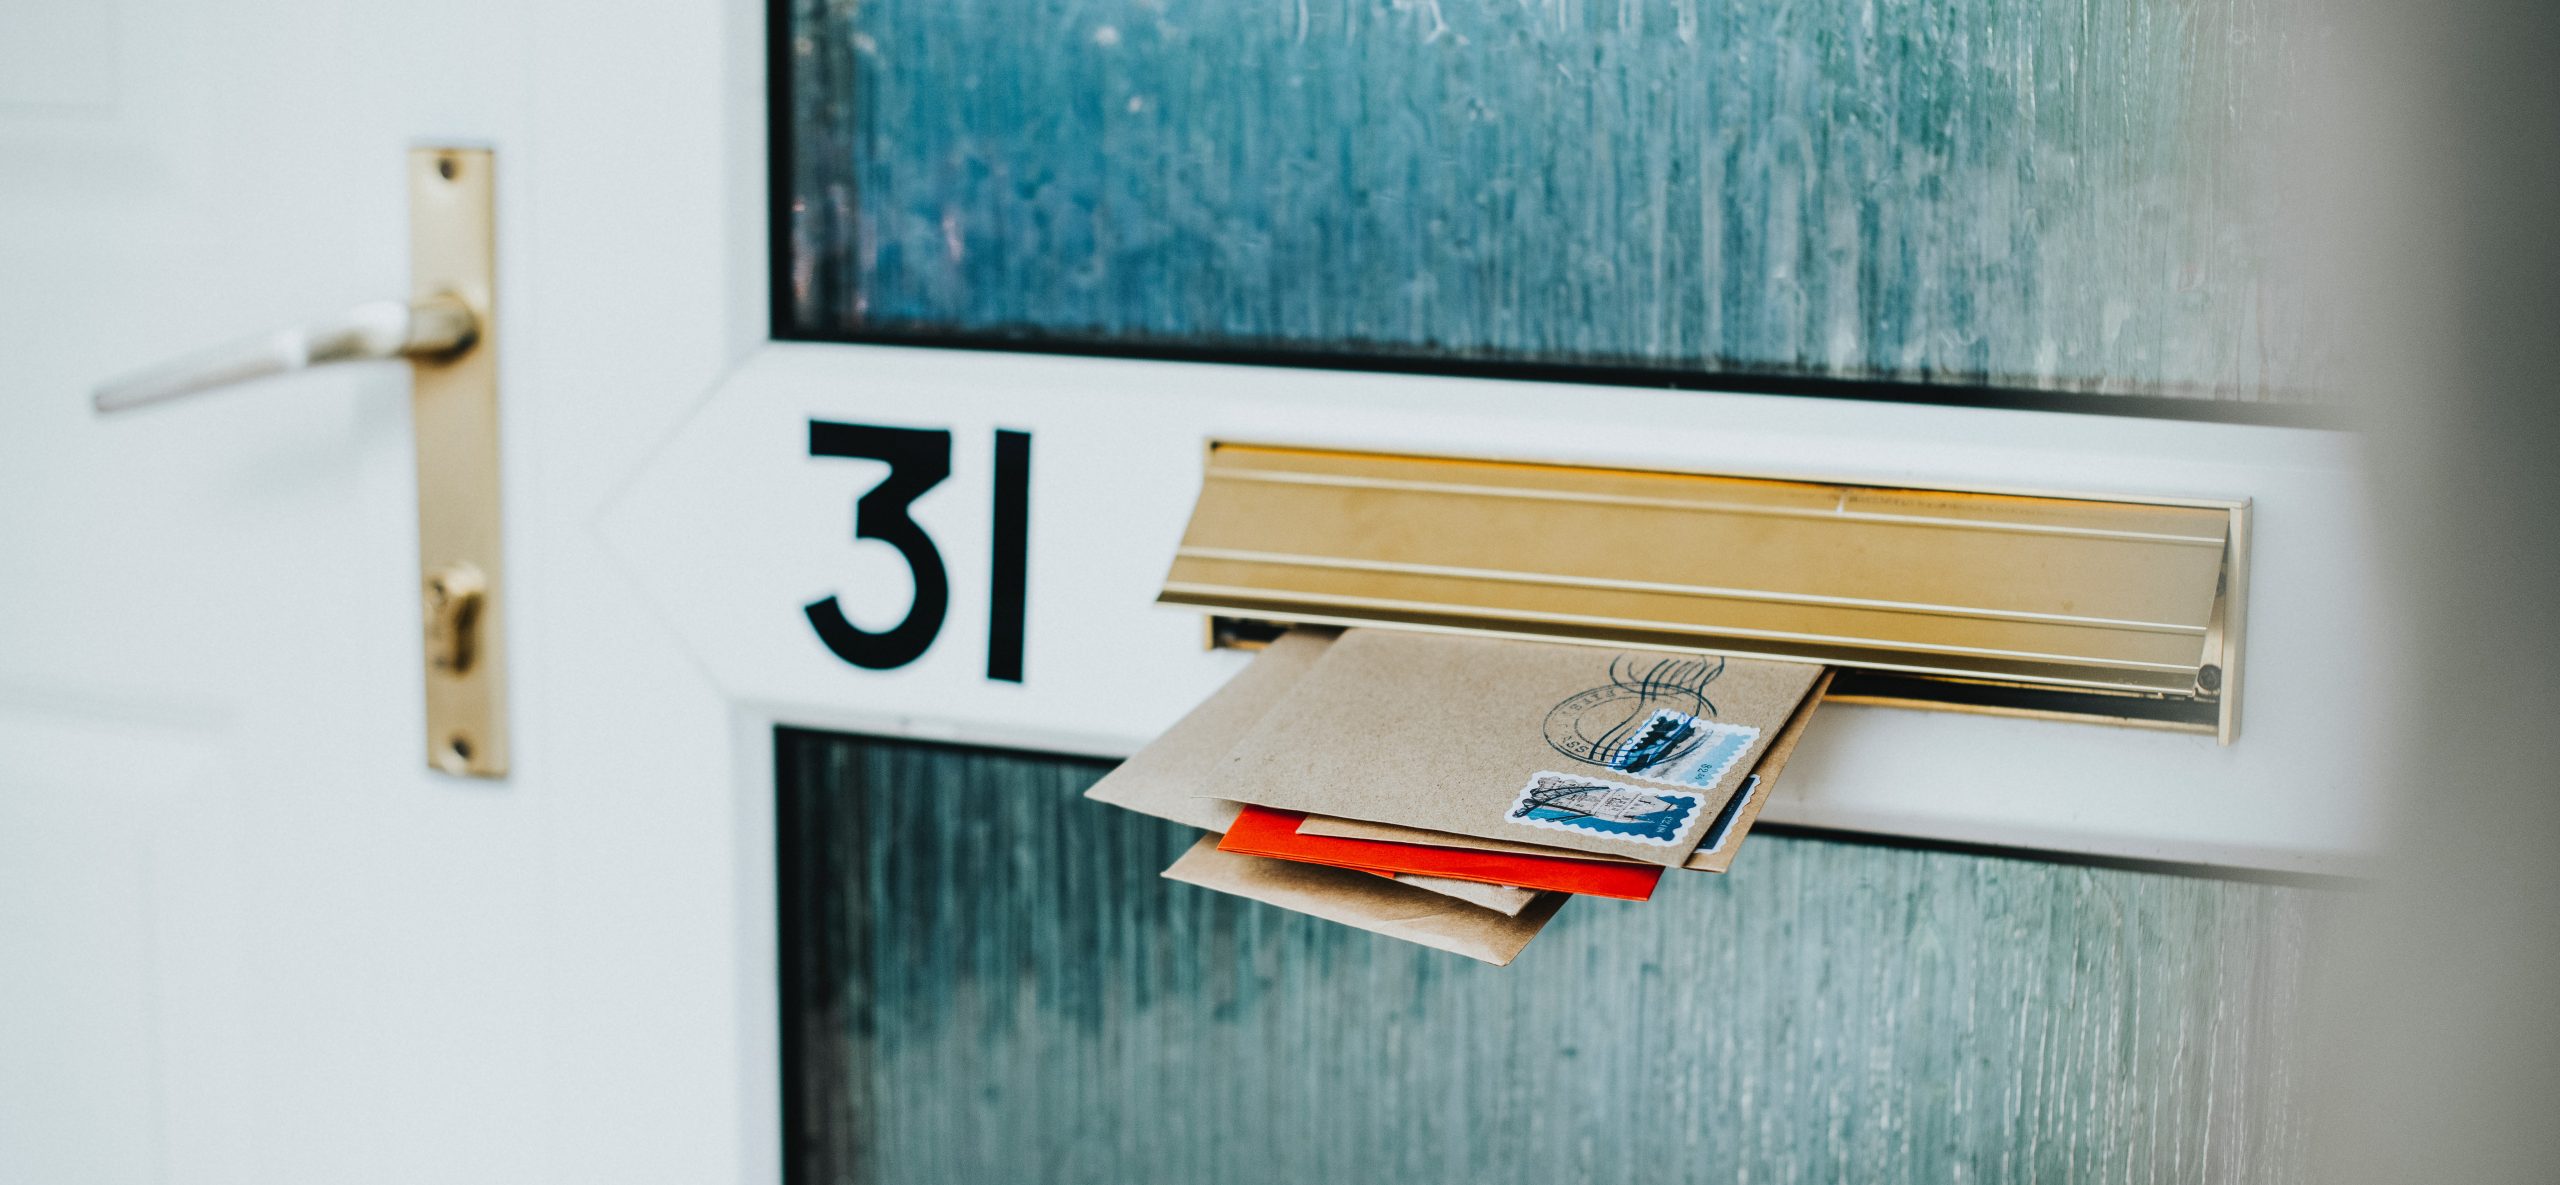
point(1613, 810)
point(1678, 747)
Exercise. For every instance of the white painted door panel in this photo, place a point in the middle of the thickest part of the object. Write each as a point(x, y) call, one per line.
point(248, 936)
point(120, 902)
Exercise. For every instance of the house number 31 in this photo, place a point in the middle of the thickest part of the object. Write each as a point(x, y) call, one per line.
point(919, 458)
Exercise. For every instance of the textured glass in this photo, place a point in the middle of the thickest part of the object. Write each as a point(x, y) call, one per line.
point(2062, 194)
point(987, 981)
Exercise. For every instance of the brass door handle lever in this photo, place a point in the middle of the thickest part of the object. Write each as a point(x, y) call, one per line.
point(431, 327)
point(448, 329)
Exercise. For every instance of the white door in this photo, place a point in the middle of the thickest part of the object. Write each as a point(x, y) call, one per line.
point(249, 936)
point(245, 933)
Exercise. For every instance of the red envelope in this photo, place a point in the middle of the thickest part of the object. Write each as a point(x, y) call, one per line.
point(1263, 831)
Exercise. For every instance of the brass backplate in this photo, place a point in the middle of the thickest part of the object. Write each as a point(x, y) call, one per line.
point(454, 410)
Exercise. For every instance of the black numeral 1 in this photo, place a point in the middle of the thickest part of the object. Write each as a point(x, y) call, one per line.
point(1009, 567)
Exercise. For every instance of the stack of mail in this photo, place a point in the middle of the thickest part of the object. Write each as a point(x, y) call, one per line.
point(1454, 791)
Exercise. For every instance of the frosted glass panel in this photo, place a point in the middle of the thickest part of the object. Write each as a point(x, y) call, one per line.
point(985, 980)
point(2055, 194)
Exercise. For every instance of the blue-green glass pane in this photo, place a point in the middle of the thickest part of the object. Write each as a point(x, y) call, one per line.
point(989, 982)
point(2066, 194)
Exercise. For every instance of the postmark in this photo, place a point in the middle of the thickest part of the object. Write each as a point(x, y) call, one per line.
point(1652, 720)
point(1614, 810)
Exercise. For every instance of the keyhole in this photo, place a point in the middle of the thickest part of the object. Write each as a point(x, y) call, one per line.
point(447, 167)
point(452, 600)
point(456, 757)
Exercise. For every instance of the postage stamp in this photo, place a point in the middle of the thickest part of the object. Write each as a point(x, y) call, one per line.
point(1678, 747)
point(1575, 802)
point(1653, 721)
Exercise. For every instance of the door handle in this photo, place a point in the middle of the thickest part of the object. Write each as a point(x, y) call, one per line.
point(438, 326)
point(448, 329)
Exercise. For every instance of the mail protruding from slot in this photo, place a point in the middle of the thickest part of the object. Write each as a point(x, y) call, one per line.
point(1399, 781)
point(1625, 753)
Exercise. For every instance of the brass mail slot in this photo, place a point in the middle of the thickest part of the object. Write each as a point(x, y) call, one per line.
point(2124, 610)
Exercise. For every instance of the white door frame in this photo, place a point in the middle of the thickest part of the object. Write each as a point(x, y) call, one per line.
point(669, 523)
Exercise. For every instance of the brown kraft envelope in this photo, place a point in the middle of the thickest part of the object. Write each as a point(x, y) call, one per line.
point(1372, 903)
point(1704, 859)
point(1621, 753)
point(1164, 778)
